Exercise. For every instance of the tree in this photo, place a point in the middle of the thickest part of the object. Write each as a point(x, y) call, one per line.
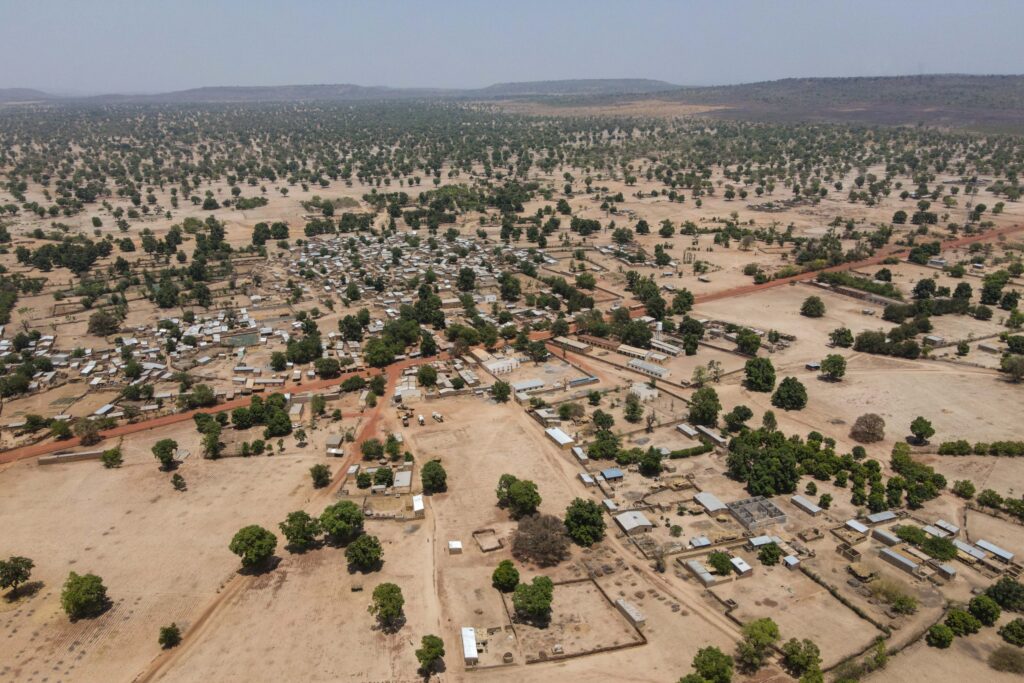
point(720, 562)
point(585, 522)
point(758, 637)
point(712, 665)
point(799, 657)
point(15, 571)
point(434, 478)
point(748, 342)
point(112, 458)
point(964, 488)
point(962, 623)
point(921, 429)
point(791, 395)
point(602, 420)
point(532, 601)
point(1008, 593)
point(387, 606)
point(704, 407)
point(300, 529)
point(501, 391)
point(1013, 632)
point(505, 577)
point(87, 431)
point(427, 375)
point(841, 337)
point(364, 553)
point(760, 374)
point(1013, 364)
point(254, 544)
point(834, 366)
point(103, 323)
point(984, 609)
point(327, 368)
point(164, 450)
point(430, 653)
point(540, 539)
point(170, 636)
point(813, 307)
point(868, 428)
point(523, 498)
point(342, 521)
point(321, 475)
point(770, 554)
point(736, 419)
point(83, 596)
point(372, 449)
point(940, 636)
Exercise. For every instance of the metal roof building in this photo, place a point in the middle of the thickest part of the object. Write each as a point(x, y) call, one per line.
point(897, 560)
point(469, 652)
point(710, 501)
point(806, 505)
point(880, 517)
point(1004, 555)
point(633, 521)
point(969, 550)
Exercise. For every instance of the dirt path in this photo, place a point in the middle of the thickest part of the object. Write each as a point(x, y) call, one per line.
point(883, 254)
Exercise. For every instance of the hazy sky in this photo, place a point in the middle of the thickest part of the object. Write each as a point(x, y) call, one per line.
point(92, 46)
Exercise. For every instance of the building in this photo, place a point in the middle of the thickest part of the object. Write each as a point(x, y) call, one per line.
point(698, 569)
point(631, 612)
point(643, 391)
point(885, 537)
point(580, 455)
point(969, 550)
point(881, 517)
point(417, 506)
point(454, 547)
point(999, 553)
point(710, 502)
point(563, 440)
point(791, 561)
point(951, 529)
point(687, 430)
point(632, 351)
point(649, 369)
point(586, 479)
point(713, 436)
point(756, 513)
point(806, 505)
point(855, 526)
point(898, 561)
point(469, 652)
point(700, 542)
point(612, 474)
point(633, 521)
point(741, 566)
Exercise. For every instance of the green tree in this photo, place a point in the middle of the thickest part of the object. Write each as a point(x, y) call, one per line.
point(254, 544)
point(799, 657)
point(501, 391)
point(170, 636)
point(523, 498)
point(712, 665)
point(962, 623)
point(791, 395)
point(748, 342)
point(769, 554)
point(984, 609)
point(758, 638)
point(387, 606)
point(720, 562)
point(164, 450)
point(833, 366)
point(112, 458)
point(705, 406)
point(921, 429)
point(841, 337)
point(1013, 632)
point(321, 475)
point(430, 653)
point(364, 553)
point(760, 374)
point(434, 478)
point(532, 601)
point(342, 521)
point(964, 488)
point(427, 375)
point(505, 577)
point(813, 307)
point(1008, 593)
point(83, 596)
point(14, 572)
point(584, 522)
point(301, 530)
point(940, 636)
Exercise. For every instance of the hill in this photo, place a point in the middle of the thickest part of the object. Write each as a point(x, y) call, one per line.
point(12, 95)
point(589, 86)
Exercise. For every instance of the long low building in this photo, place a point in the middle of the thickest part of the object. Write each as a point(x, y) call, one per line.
point(649, 369)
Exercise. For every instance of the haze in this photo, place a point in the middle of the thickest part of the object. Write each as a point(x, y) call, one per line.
point(130, 47)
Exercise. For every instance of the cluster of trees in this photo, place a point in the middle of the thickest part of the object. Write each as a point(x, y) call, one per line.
point(268, 412)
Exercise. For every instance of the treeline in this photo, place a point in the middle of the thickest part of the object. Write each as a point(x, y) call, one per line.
point(845, 279)
point(1011, 449)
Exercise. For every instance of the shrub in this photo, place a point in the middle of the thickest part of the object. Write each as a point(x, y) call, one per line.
point(940, 636)
point(83, 596)
point(962, 623)
point(1013, 632)
point(813, 307)
point(791, 395)
point(1007, 659)
point(505, 577)
point(170, 636)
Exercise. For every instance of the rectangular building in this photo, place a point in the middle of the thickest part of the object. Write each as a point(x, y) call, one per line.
point(806, 505)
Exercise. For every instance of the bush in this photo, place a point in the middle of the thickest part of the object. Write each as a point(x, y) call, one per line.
point(940, 636)
point(1008, 593)
point(962, 623)
point(719, 561)
point(984, 609)
point(1007, 659)
point(1013, 632)
point(434, 478)
point(813, 307)
point(170, 636)
point(585, 522)
point(321, 475)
